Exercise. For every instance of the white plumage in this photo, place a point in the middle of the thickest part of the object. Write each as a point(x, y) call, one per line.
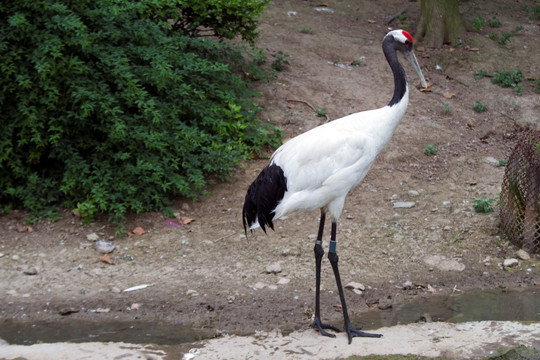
point(322, 165)
point(316, 169)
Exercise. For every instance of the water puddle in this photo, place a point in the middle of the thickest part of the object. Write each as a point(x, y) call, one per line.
point(470, 306)
point(76, 331)
point(497, 305)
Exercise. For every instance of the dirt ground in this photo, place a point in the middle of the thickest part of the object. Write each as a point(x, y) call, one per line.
point(208, 275)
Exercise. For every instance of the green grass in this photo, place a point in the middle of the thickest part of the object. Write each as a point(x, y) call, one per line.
point(479, 107)
point(447, 109)
point(483, 205)
point(430, 149)
point(478, 23)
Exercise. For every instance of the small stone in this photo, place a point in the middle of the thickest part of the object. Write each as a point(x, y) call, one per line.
point(104, 246)
point(447, 228)
point(31, 271)
point(15, 257)
point(272, 287)
point(274, 268)
point(413, 193)
point(2, 255)
point(103, 310)
point(192, 292)
point(510, 262)
point(404, 204)
point(283, 281)
point(491, 161)
point(523, 255)
point(407, 285)
point(92, 237)
point(259, 285)
point(67, 311)
point(114, 289)
point(355, 286)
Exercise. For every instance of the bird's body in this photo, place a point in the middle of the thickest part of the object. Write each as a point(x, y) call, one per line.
point(317, 169)
point(323, 164)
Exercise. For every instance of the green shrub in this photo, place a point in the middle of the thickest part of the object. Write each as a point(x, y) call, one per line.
point(479, 107)
point(494, 22)
point(430, 149)
point(478, 23)
point(108, 107)
point(483, 205)
point(506, 79)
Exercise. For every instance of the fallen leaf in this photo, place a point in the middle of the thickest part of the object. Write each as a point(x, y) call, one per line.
point(103, 310)
point(371, 21)
point(138, 230)
point(474, 49)
point(448, 95)
point(186, 220)
point(426, 90)
point(106, 259)
point(290, 106)
point(76, 213)
point(134, 306)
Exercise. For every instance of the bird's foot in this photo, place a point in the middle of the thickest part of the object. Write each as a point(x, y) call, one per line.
point(355, 332)
point(318, 325)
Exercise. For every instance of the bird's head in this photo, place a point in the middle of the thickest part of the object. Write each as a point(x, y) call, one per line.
point(403, 41)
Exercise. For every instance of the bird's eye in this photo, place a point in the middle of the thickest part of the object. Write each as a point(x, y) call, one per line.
point(407, 44)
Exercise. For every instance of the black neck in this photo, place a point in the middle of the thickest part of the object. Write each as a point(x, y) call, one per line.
point(400, 80)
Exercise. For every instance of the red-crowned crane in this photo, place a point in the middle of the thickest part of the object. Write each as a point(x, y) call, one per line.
point(316, 170)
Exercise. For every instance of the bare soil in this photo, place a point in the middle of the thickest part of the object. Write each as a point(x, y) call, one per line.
point(208, 274)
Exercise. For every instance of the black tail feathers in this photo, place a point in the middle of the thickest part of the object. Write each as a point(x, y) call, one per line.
point(262, 197)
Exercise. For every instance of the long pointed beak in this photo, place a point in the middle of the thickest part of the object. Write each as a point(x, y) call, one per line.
point(414, 63)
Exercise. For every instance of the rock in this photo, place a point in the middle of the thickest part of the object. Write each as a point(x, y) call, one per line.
point(259, 285)
point(104, 246)
point(510, 262)
point(114, 289)
point(355, 285)
point(407, 285)
point(404, 204)
point(92, 237)
point(523, 255)
point(67, 311)
point(413, 193)
point(15, 257)
point(283, 281)
point(274, 268)
point(192, 292)
point(272, 287)
point(31, 271)
point(491, 161)
point(444, 264)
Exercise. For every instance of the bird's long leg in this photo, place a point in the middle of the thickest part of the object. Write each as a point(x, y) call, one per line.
point(333, 257)
point(319, 252)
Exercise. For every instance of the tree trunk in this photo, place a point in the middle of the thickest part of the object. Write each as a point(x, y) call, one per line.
point(440, 22)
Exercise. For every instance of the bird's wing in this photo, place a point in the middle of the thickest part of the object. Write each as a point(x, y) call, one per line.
point(313, 157)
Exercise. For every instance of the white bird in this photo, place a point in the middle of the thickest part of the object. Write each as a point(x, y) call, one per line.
point(317, 169)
